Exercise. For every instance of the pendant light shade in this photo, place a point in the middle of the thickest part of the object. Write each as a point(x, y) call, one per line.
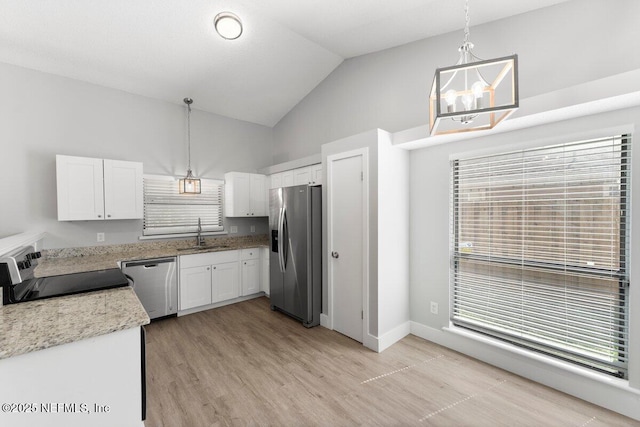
point(474, 94)
point(189, 184)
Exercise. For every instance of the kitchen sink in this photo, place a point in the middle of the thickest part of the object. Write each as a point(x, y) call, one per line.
point(204, 247)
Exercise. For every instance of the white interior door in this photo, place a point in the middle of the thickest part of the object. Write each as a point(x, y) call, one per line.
point(346, 243)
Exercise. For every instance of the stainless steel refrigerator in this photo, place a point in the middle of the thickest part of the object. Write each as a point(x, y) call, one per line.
point(296, 252)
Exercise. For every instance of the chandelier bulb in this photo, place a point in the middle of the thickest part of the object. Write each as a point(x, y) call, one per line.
point(467, 101)
point(450, 97)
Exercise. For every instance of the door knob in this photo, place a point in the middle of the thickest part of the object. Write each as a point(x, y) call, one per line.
point(335, 254)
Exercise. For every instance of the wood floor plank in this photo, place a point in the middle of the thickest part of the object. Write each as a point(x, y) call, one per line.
point(244, 364)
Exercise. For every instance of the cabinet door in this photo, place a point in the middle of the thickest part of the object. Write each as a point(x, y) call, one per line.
point(225, 278)
point(287, 179)
point(236, 194)
point(195, 287)
point(257, 200)
point(316, 174)
point(250, 276)
point(302, 176)
point(275, 180)
point(80, 188)
point(123, 196)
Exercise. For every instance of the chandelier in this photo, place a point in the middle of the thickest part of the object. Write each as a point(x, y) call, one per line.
point(474, 94)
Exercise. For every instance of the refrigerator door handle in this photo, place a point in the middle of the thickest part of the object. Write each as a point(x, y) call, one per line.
point(281, 239)
point(285, 239)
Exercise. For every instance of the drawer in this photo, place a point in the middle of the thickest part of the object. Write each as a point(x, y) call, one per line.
point(251, 253)
point(208, 258)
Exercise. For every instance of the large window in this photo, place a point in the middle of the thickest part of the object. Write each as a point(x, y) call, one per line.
point(167, 212)
point(540, 249)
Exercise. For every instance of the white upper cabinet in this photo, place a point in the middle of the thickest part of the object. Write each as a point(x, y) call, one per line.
point(123, 191)
point(287, 179)
point(316, 174)
point(257, 194)
point(244, 194)
point(302, 176)
point(275, 180)
point(308, 175)
point(97, 189)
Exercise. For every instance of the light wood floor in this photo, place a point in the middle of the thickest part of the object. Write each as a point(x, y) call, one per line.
point(246, 365)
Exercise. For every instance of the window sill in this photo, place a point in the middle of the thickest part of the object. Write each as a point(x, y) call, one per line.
point(182, 235)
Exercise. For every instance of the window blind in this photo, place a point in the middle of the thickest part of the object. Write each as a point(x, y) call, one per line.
point(540, 249)
point(166, 211)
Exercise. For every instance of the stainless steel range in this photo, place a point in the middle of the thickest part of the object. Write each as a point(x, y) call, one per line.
point(20, 285)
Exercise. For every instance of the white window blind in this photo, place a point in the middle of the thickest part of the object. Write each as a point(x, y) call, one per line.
point(166, 211)
point(540, 249)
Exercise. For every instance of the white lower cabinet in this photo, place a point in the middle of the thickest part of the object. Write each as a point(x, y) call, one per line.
point(195, 286)
point(215, 277)
point(224, 281)
point(208, 278)
point(250, 271)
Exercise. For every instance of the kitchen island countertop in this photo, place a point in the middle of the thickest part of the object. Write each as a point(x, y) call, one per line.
point(41, 324)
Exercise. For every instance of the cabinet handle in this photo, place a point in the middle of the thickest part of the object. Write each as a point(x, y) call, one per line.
point(99, 216)
point(208, 268)
point(109, 216)
point(214, 268)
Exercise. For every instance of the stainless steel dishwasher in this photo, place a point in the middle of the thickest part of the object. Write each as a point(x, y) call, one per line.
point(155, 282)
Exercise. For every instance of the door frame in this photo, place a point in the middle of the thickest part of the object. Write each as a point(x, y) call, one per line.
point(364, 153)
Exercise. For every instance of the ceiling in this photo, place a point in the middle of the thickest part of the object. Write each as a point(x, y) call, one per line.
point(168, 49)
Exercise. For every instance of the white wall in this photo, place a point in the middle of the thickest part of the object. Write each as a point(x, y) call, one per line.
point(393, 240)
point(558, 47)
point(430, 186)
point(42, 115)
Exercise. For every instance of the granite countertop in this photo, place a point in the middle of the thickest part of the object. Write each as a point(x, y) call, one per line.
point(77, 260)
point(37, 325)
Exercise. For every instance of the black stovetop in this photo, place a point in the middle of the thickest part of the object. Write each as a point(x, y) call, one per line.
point(67, 284)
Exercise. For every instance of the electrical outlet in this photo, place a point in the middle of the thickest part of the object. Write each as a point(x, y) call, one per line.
point(253, 228)
point(234, 229)
point(434, 307)
point(100, 237)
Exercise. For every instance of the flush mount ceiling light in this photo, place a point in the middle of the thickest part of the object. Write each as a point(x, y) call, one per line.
point(189, 184)
point(228, 25)
point(474, 94)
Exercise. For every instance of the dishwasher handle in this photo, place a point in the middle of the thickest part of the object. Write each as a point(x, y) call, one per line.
point(148, 263)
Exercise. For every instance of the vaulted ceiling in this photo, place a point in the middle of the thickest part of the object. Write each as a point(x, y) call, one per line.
point(168, 49)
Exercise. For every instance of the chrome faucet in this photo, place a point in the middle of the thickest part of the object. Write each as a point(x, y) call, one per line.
point(199, 237)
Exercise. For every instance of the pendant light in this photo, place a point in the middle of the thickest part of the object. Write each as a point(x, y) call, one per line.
point(189, 184)
point(474, 94)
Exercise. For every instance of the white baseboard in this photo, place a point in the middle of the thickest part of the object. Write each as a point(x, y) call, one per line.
point(379, 344)
point(393, 336)
point(325, 321)
point(600, 389)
